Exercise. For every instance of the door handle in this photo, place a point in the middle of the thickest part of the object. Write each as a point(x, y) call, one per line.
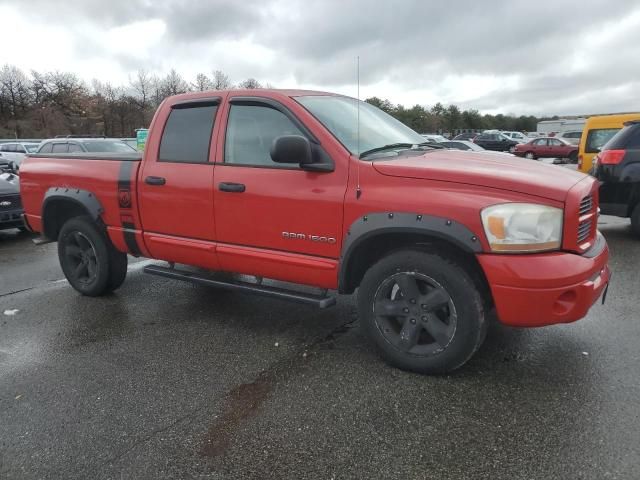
point(155, 180)
point(231, 187)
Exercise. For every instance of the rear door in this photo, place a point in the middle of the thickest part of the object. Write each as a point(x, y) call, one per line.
point(175, 186)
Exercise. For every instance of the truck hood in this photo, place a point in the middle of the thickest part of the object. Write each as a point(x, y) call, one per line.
point(479, 168)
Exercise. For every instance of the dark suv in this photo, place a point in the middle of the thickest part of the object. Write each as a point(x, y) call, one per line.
point(86, 145)
point(617, 166)
point(495, 141)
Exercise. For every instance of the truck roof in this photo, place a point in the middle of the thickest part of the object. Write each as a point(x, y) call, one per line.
point(256, 92)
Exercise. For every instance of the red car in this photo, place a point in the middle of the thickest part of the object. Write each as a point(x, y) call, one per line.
point(274, 184)
point(547, 147)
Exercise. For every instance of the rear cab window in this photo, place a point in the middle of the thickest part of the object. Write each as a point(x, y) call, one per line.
point(187, 134)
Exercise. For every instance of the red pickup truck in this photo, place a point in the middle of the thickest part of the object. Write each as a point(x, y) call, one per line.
point(321, 190)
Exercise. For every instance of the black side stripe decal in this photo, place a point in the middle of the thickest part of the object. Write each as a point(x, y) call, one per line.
point(130, 238)
point(125, 202)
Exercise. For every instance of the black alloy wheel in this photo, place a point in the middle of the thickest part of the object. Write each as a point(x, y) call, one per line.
point(415, 314)
point(80, 255)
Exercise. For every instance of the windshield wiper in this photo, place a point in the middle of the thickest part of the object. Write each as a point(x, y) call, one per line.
point(391, 146)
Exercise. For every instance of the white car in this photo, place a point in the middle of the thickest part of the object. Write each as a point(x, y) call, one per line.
point(517, 136)
point(571, 136)
point(15, 151)
point(430, 137)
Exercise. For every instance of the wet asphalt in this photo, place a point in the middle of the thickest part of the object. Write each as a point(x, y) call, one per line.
point(168, 380)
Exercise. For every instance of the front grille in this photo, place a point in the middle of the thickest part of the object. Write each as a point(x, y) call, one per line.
point(584, 230)
point(586, 205)
point(10, 202)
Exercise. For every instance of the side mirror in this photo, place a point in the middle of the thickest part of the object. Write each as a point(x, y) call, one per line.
point(296, 149)
point(291, 149)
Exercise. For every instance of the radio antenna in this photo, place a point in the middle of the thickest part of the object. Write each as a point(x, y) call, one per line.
point(358, 189)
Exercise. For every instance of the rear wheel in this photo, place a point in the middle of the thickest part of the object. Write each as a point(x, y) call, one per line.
point(530, 155)
point(89, 261)
point(422, 311)
point(635, 220)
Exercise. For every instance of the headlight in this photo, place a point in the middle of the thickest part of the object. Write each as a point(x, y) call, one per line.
point(522, 227)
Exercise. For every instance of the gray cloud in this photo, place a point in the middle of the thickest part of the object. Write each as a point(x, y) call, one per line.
point(548, 57)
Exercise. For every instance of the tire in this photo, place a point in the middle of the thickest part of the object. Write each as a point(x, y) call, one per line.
point(635, 220)
point(89, 261)
point(423, 311)
point(530, 155)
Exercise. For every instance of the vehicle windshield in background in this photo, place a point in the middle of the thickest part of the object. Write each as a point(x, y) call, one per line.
point(31, 148)
point(340, 116)
point(102, 146)
point(598, 137)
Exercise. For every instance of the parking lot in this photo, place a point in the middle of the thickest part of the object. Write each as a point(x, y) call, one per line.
point(169, 380)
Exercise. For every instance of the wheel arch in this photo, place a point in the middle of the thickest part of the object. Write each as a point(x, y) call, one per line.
point(60, 204)
point(374, 236)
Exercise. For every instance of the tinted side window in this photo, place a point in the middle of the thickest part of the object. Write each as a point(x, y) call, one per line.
point(555, 143)
point(46, 148)
point(59, 148)
point(20, 149)
point(74, 147)
point(187, 135)
point(251, 131)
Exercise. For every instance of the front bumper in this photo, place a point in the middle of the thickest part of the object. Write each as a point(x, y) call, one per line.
point(11, 219)
point(548, 288)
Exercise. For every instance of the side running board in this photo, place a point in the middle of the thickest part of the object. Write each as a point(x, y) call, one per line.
point(320, 301)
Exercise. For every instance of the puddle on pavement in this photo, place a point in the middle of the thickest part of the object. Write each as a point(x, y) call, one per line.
point(243, 402)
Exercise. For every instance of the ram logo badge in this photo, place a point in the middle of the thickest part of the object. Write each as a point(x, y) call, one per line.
point(311, 238)
point(6, 203)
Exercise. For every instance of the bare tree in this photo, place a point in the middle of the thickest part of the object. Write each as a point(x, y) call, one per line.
point(174, 84)
point(202, 83)
point(221, 81)
point(250, 83)
point(142, 88)
point(14, 90)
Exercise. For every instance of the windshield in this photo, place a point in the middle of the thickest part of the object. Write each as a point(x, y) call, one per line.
point(108, 146)
point(340, 116)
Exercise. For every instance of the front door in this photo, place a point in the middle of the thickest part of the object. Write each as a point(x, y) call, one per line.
point(176, 186)
point(275, 219)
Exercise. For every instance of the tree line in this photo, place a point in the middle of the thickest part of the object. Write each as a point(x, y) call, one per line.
point(45, 104)
point(451, 119)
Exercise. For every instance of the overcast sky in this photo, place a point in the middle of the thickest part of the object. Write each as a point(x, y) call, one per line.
point(526, 57)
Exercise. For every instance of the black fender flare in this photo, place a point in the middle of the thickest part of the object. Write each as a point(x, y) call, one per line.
point(82, 198)
point(374, 224)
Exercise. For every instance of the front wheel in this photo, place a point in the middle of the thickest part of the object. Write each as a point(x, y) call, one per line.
point(422, 310)
point(89, 261)
point(530, 155)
